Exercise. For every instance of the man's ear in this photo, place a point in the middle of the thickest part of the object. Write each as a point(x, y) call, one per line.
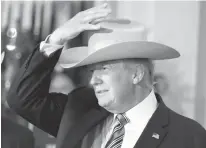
point(139, 74)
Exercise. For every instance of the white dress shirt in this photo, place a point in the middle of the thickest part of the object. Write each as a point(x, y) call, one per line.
point(139, 117)
point(47, 49)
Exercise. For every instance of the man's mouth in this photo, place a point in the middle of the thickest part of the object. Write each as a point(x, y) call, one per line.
point(101, 91)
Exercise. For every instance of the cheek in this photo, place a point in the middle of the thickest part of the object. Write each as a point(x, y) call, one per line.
point(123, 85)
point(117, 85)
point(110, 82)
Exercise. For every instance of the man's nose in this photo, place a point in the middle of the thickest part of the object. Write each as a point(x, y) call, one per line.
point(95, 80)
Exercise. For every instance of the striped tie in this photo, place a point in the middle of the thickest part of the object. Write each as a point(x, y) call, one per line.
point(117, 135)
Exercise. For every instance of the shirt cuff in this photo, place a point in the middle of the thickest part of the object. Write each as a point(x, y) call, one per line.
point(47, 49)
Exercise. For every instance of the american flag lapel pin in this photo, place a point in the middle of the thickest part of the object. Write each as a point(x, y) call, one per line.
point(155, 135)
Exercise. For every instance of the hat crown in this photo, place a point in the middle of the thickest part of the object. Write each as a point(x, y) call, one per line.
point(117, 39)
point(114, 31)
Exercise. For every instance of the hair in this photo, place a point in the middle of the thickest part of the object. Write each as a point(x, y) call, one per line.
point(81, 75)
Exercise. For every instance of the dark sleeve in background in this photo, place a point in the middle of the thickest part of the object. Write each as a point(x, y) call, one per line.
point(29, 94)
point(15, 135)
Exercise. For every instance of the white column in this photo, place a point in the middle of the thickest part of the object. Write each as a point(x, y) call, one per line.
point(27, 15)
point(5, 14)
point(200, 99)
point(47, 16)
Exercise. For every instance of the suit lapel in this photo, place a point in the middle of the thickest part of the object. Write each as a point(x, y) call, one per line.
point(156, 128)
point(83, 126)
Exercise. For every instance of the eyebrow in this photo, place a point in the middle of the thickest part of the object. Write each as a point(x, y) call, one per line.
point(102, 64)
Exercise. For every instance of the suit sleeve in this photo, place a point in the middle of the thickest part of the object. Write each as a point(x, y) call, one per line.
point(29, 94)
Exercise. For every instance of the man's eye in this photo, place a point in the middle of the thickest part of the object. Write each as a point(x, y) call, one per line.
point(91, 70)
point(105, 68)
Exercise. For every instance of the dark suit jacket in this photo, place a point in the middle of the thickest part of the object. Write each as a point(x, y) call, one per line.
point(29, 97)
point(15, 135)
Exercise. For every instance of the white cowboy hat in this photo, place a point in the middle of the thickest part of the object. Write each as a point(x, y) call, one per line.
point(117, 39)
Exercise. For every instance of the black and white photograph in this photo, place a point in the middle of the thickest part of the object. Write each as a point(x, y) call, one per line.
point(103, 74)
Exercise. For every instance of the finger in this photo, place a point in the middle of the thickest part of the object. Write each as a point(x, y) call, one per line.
point(97, 7)
point(96, 12)
point(108, 10)
point(94, 22)
point(92, 27)
point(93, 17)
point(86, 15)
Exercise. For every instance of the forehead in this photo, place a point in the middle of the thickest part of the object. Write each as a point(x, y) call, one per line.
point(119, 62)
point(112, 63)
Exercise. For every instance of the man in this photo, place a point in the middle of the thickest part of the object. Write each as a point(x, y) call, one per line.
point(125, 112)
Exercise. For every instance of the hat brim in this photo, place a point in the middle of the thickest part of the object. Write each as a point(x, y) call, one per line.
point(79, 56)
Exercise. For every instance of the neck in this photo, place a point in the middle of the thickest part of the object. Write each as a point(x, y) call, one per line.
point(139, 95)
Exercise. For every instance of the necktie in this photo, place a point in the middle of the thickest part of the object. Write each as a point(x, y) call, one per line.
point(117, 135)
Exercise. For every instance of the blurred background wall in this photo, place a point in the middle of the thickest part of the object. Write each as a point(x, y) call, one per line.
point(182, 25)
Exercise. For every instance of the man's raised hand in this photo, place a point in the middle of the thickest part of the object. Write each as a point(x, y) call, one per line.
point(84, 20)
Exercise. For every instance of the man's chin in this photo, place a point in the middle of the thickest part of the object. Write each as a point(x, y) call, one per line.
point(104, 103)
point(109, 109)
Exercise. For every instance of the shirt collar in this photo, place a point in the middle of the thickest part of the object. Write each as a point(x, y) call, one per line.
point(143, 111)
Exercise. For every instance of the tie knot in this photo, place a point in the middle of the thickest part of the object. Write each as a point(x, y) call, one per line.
point(122, 119)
